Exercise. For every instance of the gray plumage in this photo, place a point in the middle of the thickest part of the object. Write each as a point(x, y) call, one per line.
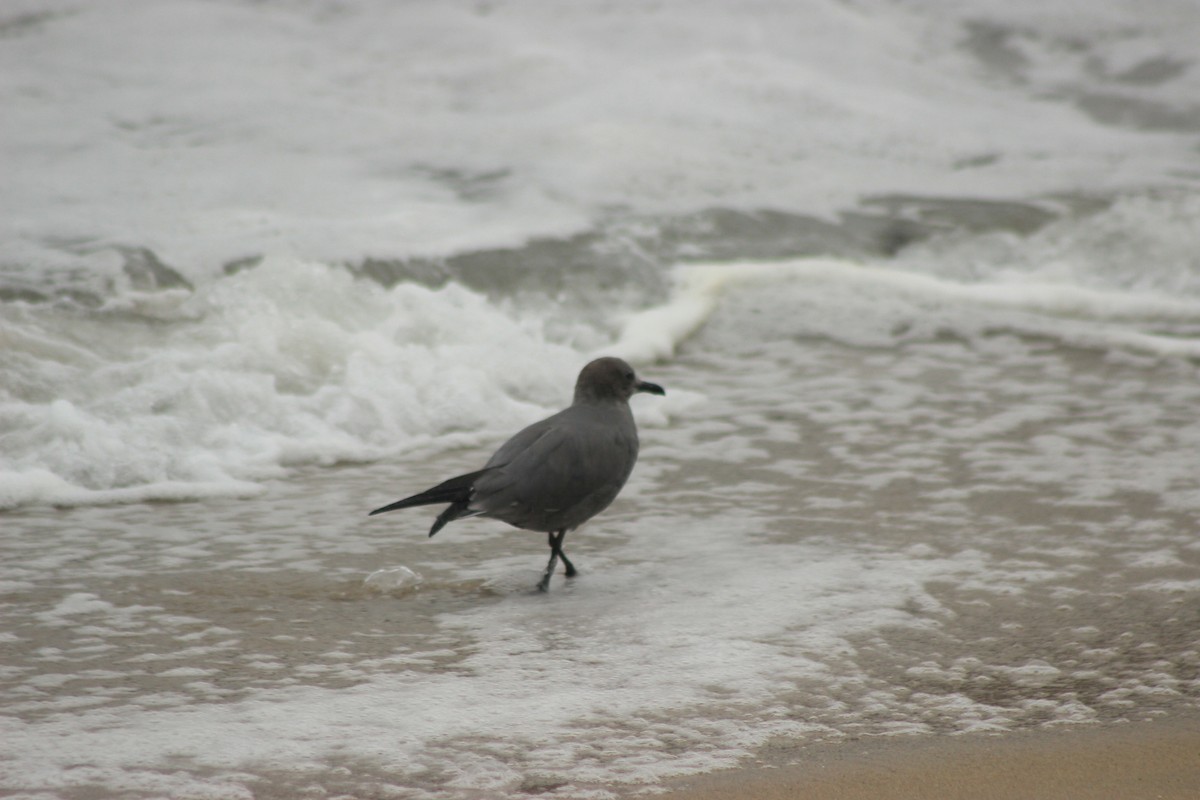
point(555, 474)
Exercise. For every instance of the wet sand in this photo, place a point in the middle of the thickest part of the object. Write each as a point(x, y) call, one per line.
point(1159, 759)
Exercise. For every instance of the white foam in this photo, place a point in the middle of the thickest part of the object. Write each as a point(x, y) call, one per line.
point(209, 131)
point(287, 364)
point(879, 304)
point(550, 696)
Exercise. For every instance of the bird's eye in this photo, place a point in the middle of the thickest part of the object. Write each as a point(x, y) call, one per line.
point(628, 376)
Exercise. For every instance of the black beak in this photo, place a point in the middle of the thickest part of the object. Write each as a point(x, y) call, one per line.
point(651, 388)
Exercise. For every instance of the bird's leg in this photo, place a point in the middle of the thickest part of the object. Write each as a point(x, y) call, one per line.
point(556, 544)
point(544, 583)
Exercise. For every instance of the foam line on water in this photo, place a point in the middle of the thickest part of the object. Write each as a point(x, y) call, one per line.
point(698, 288)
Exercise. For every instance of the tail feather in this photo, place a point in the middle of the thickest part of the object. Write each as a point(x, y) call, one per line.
point(456, 491)
point(455, 510)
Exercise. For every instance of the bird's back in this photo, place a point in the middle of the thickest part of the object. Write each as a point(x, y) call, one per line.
point(558, 473)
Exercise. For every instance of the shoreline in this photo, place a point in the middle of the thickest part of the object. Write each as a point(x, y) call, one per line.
point(1157, 759)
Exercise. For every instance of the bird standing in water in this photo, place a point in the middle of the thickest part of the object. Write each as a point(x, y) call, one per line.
point(557, 473)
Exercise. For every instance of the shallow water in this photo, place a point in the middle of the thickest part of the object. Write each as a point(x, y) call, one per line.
point(940, 537)
point(921, 284)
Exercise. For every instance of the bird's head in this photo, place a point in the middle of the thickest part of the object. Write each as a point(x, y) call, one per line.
point(608, 379)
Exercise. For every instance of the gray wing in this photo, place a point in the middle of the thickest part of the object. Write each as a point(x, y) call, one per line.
point(559, 472)
point(523, 440)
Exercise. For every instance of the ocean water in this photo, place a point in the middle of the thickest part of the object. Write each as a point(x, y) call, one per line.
point(921, 281)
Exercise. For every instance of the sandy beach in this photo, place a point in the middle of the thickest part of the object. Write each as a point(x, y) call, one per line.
point(1159, 759)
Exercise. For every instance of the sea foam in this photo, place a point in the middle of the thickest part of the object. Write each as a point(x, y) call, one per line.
point(294, 363)
point(287, 364)
point(290, 363)
point(426, 130)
